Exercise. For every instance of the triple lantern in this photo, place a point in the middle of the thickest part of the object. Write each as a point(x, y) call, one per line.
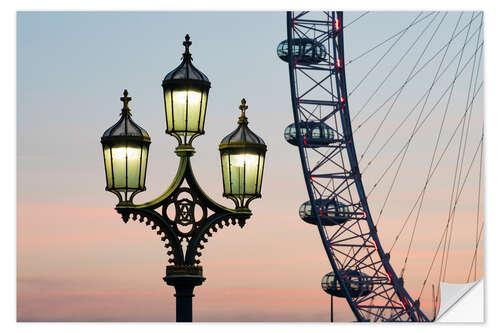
point(185, 90)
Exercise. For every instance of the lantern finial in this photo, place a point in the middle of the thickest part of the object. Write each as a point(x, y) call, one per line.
point(125, 99)
point(187, 44)
point(243, 107)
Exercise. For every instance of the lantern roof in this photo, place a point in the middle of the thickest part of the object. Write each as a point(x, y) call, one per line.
point(243, 136)
point(125, 127)
point(186, 70)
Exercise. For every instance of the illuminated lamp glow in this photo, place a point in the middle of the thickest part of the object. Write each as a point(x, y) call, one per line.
point(245, 159)
point(126, 152)
point(192, 96)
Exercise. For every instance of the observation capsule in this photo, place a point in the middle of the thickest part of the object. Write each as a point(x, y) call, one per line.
point(305, 51)
point(332, 212)
point(358, 284)
point(314, 133)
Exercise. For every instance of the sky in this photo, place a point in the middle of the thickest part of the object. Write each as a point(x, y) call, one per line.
point(76, 260)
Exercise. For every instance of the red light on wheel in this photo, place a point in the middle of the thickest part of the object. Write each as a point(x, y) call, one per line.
point(338, 63)
point(337, 25)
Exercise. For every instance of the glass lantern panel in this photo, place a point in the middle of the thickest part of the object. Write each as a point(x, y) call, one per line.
point(126, 161)
point(144, 164)
point(107, 167)
point(244, 174)
point(251, 173)
point(134, 166)
point(180, 98)
point(168, 110)
point(225, 174)
point(236, 176)
point(261, 172)
point(203, 109)
point(194, 111)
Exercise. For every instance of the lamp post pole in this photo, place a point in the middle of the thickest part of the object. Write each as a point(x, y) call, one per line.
point(184, 213)
point(331, 308)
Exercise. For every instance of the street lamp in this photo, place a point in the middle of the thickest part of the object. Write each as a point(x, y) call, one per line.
point(174, 214)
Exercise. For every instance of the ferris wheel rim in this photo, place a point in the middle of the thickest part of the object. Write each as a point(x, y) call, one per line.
point(415, 314)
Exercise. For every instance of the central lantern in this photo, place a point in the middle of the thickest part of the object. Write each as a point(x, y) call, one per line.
point(185, 92)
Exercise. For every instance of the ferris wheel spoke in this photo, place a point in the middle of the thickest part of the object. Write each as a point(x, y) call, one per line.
point(410, 74)
point(445, 149)
point(417, 129)
point(413, 23)
point(391, 47)
point(355, 20)
point(444, 49)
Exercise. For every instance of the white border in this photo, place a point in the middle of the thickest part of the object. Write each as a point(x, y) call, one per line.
point(8, 92)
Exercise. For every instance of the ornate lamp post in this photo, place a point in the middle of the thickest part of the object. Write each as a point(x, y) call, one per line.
point(126, 146)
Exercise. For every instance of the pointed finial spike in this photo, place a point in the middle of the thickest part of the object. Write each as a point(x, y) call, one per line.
point(187, 43)
point(243, 107)
point(125, 99)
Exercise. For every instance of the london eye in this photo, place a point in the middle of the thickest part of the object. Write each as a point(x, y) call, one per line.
point(391, 120)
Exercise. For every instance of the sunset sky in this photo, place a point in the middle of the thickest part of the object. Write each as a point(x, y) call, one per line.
point(78, 261)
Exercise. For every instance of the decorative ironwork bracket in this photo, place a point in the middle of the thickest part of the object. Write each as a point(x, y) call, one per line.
point(184, 214)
